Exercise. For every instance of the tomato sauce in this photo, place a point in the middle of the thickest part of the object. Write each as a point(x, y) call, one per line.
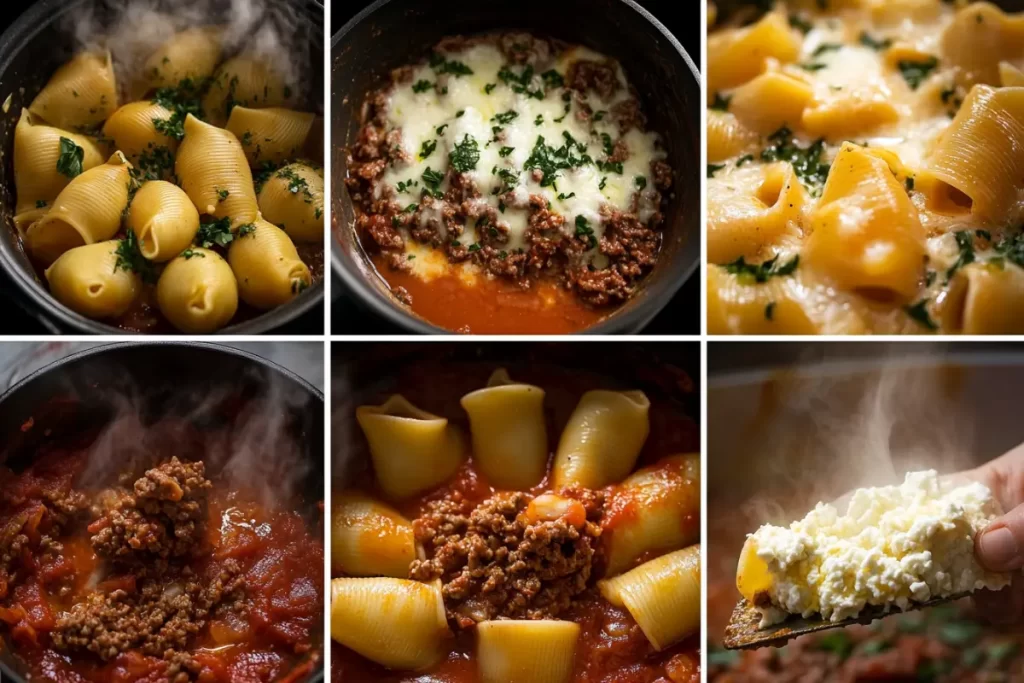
point(611, 647)
point(493, 305)
point(276, 637)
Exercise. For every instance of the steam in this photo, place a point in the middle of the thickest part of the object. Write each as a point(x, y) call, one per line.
point(343, 406)
point(833, 433)
point(133, 29)
point(248, 442)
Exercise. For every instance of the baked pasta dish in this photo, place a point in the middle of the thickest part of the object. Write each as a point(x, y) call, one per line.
point(512, 538)
point(177, 193)
point(866, 168)
point(163, 571)
point(508, 184)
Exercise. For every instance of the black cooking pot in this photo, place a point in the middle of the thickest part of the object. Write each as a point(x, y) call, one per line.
point(39, 42)
point(83, 392)
point(391, 33)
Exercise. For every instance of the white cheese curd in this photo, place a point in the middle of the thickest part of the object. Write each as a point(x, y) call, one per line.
point(894, 545)
point(437, 112)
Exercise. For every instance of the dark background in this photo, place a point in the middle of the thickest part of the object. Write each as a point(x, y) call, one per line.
point(682, 315)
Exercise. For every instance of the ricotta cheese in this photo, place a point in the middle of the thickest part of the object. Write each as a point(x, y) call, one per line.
point(894, 545)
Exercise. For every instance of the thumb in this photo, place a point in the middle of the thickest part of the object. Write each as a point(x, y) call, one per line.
point(1000, 547)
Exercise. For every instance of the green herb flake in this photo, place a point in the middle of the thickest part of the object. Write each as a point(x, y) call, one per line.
point(422, 86)
point(807, 163)
point(875, 44)
point(714, 168)
point(919, 313)
point(583, 229)
point(69, 162)
point(800, 24)
point(641, 182)
point(427, 149)
point(465, 155)
point(914, 72)
point(131, 260)
point(769, 311)
point(448, 66)
point(553, 79)
point(762, 272)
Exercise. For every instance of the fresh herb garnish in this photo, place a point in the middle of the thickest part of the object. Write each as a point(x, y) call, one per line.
point(489, 88)
point(422, 86)
point(465, 155)
point(746, 158)
point(505, 151)
point(520, 83)
point(807, 163)
point(714, 168)
point(550, 160)
point(182, 100)
point(446, 66)
point(914, 72)
point(245, 230)
point(192, 253)
point(919, 313)
point(69, 162)
point(296, 183)
point(826, 47)
point(800, 24)
point(505, 118)
point(583, 229)
point(131, 260)
point(216, 232)
point(553, 79)
point(641, 182)
point(769, 310)
point(432, 179)
point(965, 243)
point(868, 41)
point(427, 149)
point(762, 272)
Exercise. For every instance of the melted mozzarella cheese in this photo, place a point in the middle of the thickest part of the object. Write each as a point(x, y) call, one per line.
point(507, 127)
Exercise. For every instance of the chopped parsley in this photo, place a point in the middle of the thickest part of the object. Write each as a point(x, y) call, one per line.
point(422, 86)
point(445, 66)
point(192, 253)
point(505, 118)
point(247, 229)
point(427, 149)
point(813, 66)
point(131, 260)
point(599, 114)
point(714, 168)
point(550, 160)
point(489, 88)
point(216, 232)
point(505, 151)
point(583, 229)
point(868, 41)
point(69, 162)
point(965, 243)
point(40, 203)
point(411, 208)
point(562, 196)
point(769, 310)
point(553, 79)
point(406, 185)
point(746, 158)
point(826, 47)
point(807, 162)
point(520, 83)
point(296, 183)
point(919, 313)
point(762, 272)
point(465, 155)
point(222, 195)
point(155, 163)
point(432, 179)
point(604, 181)
point(182, 100)
point(261, 174)
point(474, 247)
point(641, 182)
point(539, 120)
point(915, 73)
point(459, 113)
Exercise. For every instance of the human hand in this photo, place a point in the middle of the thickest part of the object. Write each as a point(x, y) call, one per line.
point(1000, 546)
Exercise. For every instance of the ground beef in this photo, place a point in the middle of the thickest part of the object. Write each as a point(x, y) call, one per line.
point(589, 75)
point(155, 617)
point(34, 531)
point(158, 519)
point(494, 562)
point(522, 48)
point(662, 173)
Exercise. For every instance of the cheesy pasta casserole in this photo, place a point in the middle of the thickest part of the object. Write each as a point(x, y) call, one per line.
point(866, 168)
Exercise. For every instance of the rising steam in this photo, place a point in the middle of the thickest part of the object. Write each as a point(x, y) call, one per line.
point(133, 29)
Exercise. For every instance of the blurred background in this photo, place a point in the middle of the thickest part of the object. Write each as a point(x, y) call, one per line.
point(679, 317)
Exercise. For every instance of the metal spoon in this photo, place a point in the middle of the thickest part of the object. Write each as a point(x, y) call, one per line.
point(743, 632)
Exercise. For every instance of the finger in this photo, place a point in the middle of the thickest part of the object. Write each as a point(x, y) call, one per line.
point(1001, 607)
point(1000, 547)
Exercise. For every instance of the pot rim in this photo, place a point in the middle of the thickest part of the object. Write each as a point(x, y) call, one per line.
point(20, 33)
point(618, 321)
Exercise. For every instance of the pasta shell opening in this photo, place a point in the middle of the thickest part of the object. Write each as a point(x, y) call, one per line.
point(50, 237)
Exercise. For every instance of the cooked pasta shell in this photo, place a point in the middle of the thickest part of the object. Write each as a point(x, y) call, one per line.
point(246, 80)
point(133, 130)
point(984, 298)
point(752, 573)
point(397, 623)
point(412, 450)
point(979, 155)
point(540, 651)
point(293, 199)
point(655, 509)
point(164, 219)
point(197, 292)
point(727, 137)
point(213, 171)
point(36, 151)
point(80, 94)
point(1010, 76)
point(735, 57)
point(979, 37)
point(603, 438)
point(369, 538)
point(87, 210)
point(272, 135)
point(510, 441)
point(770, 101)
point(88, 281)
point(267, 266)
point(663, 596)
point(189, 54)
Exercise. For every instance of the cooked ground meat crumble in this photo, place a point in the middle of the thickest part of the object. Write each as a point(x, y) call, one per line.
point(494, 562)
point(601, 259)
